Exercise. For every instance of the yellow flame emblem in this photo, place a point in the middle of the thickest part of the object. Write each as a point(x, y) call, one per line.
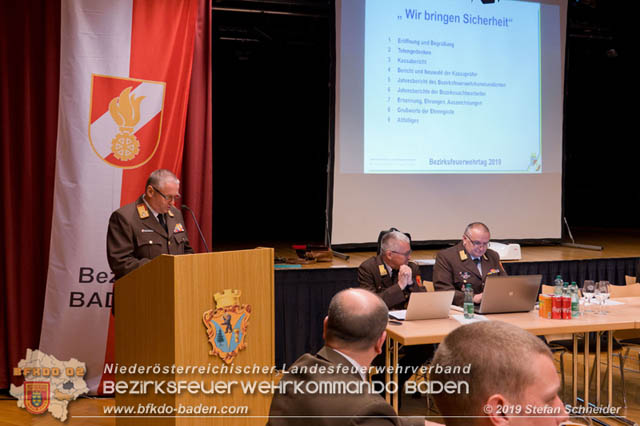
point(125, 111)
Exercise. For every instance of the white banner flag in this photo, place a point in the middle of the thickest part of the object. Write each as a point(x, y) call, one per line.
point(124, 79)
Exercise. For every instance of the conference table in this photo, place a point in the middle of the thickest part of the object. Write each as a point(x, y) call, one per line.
point(619, 317)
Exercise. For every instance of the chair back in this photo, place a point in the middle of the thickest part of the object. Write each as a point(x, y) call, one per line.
point(428, 285)
point(548, 289)
point(631, 290)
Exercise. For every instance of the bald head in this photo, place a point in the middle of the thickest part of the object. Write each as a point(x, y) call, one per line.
point(356, 319)
point(477, 226)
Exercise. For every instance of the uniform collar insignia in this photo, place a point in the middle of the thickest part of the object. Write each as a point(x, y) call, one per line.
point(463, 255)
point(170, 213)
point(143, 212)
point(383, 270)
point(484, 256)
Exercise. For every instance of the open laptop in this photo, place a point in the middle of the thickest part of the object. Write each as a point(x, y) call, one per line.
point(517, 293)
point(428, 305)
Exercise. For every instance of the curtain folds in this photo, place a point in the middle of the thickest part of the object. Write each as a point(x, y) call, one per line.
point(29, 92)
point(29, 75)
point(197, 157)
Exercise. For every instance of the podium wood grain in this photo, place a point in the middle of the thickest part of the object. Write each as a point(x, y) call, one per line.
point(159, 310)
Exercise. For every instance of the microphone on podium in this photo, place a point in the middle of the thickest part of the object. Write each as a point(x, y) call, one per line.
point(184, 206)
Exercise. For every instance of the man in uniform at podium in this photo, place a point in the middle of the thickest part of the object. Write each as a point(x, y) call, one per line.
point(148, 227)
point(469, 261)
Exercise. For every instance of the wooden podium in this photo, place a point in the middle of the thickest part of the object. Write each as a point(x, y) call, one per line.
point(159, 325)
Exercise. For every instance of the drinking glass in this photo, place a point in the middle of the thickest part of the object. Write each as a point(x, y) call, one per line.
point(587, 292)
point(602, 291)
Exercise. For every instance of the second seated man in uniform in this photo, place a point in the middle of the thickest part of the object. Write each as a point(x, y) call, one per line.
point(390, 274)
point(392, 277)
point(148, 227)
point(469, 261)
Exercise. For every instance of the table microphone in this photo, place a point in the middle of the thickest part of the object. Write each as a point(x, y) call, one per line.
point(184, 206)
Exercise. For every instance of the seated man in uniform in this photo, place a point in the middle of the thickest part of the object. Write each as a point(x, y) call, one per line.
point(390, 274)
point(148, 227)
point(354, 331)
point(394, 278)
point(511, 377)
point(469, 261)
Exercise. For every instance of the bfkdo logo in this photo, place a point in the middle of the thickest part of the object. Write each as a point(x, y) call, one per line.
point(49, 384)
point(125, 120)
point(36, 396)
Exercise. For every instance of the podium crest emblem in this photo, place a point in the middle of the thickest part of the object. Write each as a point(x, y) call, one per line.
point(36, 396)
point(227, 325)
point(125, 119)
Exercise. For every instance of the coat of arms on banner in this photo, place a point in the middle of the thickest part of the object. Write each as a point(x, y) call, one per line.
point(125, 119)
point(36, 397)
point(227, 325)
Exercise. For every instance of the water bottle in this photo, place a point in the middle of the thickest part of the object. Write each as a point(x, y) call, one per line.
point(566, 301)
point(558, 281)
point(556, 302)
point(468, 302)
point(575, 300)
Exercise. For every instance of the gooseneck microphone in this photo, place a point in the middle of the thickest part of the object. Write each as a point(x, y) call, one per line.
point(184, 206)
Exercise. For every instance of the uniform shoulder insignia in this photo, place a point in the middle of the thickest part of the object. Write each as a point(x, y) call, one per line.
point(143, 212)
point(170, 213)
point(383, 270)
point(463, 255)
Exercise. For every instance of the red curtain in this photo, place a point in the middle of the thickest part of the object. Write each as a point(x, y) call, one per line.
point(197, 160)
point(29, 74)
point(29, 79)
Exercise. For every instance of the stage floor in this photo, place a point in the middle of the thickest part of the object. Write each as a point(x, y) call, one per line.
point(616, 243)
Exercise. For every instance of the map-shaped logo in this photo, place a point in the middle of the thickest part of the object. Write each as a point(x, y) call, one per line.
point(49, 384)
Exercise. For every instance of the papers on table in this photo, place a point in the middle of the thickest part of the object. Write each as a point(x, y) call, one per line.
point(399, 315)
point(462, 320)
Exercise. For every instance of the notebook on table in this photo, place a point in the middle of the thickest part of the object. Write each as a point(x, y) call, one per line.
point(427, 305)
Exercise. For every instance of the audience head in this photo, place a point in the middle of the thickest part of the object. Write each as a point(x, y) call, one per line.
point(356, 321)
point(509, 367)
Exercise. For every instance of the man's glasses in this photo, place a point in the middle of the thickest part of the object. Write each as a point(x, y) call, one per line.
point(477, 243)
point(407, 254)
point(169, 198)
